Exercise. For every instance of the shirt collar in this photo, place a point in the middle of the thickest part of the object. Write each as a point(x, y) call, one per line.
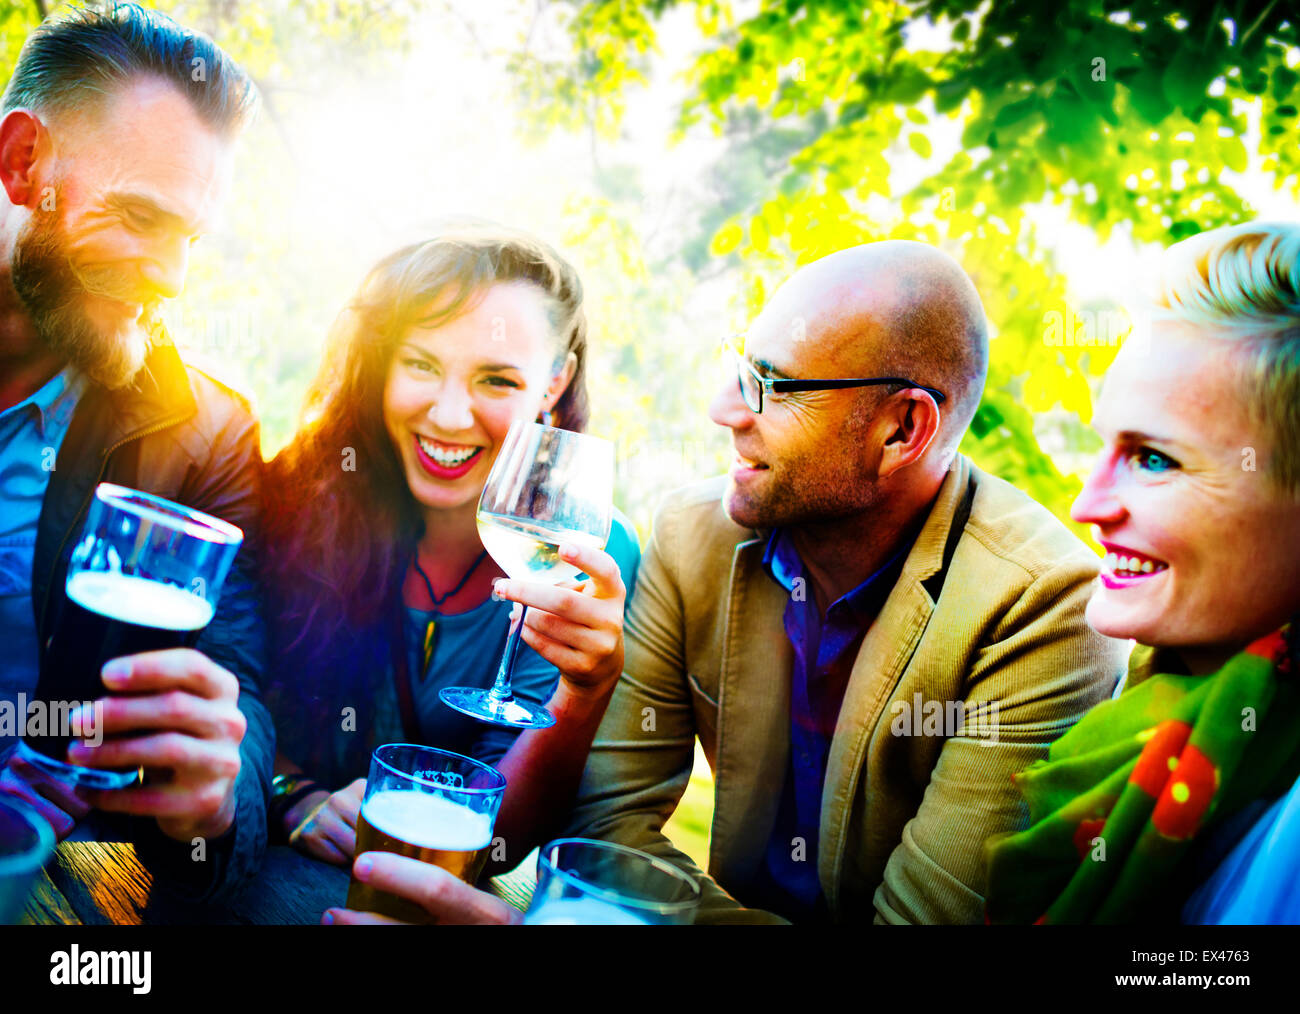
point(55, 399)
point(783, 565)
point(780, 560)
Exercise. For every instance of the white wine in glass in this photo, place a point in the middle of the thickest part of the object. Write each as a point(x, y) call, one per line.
point(528, 551)
point(547, 487)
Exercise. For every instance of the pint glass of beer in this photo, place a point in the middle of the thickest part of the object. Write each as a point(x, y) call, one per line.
point(581, 882)
point(145, 575)
point(431, 805)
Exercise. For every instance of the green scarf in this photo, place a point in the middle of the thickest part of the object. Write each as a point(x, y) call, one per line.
point(1115, 806)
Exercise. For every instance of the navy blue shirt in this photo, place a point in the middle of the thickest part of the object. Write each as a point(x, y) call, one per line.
point(824, 652)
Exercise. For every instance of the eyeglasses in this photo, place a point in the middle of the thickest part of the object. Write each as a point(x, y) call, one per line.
point(753, 385)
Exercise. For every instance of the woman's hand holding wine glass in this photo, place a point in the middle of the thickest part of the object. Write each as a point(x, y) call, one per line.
point(577, 627)
point(545, 516)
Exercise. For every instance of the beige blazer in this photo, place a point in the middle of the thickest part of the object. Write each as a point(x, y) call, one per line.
point(988, 610)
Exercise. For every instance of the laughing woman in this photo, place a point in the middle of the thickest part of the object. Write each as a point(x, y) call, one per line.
point(379, 592)
point(1196, 499)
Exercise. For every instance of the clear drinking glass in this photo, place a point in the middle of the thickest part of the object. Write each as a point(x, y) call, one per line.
point(427, 804)
point(547, 486)
point(581, 882)
point(145, 575)
point(26, 841)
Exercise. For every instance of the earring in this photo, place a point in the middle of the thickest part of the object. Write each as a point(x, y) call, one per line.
point(546, 417)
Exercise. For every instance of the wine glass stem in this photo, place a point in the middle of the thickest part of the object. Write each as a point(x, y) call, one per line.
point(500, 692)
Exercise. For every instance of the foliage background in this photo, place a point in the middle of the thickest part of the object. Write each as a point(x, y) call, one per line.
point(689, 154)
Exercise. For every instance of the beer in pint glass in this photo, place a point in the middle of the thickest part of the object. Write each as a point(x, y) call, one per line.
point(145, 575)
point(431, 805)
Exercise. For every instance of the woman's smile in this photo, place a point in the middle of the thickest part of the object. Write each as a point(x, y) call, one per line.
point(1124, 567)
point(443, 460)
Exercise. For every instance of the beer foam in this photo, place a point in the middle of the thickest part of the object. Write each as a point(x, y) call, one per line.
point(427, 821)
point(130, 599)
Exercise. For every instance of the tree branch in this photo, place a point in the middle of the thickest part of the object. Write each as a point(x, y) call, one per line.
point(1258, 21)
point(532, 26)
point(468, 25)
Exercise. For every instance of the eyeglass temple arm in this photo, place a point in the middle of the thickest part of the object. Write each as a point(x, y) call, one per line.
point(835, 384)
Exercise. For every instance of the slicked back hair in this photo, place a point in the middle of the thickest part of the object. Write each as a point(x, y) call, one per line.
point(1241, 284)
point(75, 62)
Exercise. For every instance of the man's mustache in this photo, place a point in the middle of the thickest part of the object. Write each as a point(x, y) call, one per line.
point(109, 283)
point(64, 280)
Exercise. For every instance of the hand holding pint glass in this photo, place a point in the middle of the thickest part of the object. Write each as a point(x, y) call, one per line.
point(580, 882)
point(144, 577)
point(431, 805)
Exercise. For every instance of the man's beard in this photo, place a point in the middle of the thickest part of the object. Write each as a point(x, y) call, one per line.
point(54, 294)
point(784, 504)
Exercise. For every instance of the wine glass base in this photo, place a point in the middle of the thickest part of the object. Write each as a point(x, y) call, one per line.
point(72, 774)
point(513, 712)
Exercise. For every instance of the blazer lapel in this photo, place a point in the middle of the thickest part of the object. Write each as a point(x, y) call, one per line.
point(885, 652)
point(753, 717)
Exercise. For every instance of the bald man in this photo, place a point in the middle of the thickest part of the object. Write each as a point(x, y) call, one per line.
point(868, 635)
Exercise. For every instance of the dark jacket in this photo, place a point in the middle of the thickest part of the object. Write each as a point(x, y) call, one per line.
point(177, 433)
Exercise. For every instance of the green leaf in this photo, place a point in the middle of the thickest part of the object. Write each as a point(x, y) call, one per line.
point(851, 112)
point(1071, 121)
point(1015, 112)
point(1187, 77)
point(1284, 79)
point(726, 239)
point(948, 95)
point(907, 86)
point(920, 144)
point(1147, 94)
point(1233, 153)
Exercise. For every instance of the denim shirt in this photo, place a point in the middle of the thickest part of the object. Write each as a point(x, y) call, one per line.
point(31, 434)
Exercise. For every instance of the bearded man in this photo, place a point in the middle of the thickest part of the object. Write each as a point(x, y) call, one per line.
point(116, 145)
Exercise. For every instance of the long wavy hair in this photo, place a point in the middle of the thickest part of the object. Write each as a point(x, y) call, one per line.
point(340, 521)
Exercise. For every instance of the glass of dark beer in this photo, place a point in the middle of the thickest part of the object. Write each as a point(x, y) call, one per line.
point(145, 575)
point(431, 805)
point(581, 882)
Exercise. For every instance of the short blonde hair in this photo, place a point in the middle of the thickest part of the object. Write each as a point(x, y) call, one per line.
point(1241, 283)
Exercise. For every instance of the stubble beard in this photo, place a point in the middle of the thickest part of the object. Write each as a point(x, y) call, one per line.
point(54, 294)
point(785, 504)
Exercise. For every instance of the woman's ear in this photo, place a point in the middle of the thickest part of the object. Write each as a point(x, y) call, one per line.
point(560, 382)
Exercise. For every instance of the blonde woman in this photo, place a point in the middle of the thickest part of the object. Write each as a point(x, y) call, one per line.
point(1196, 498)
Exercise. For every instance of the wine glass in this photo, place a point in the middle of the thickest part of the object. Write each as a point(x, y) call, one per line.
point(547, 487)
